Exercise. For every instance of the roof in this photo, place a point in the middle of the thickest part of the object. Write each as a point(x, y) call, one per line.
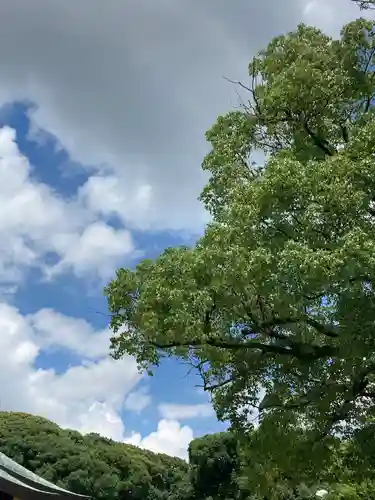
point(25, 485)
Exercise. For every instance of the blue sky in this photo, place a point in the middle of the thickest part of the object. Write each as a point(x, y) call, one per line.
point(74, 297)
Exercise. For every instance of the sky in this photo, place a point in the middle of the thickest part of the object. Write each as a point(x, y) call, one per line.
point(103, 109)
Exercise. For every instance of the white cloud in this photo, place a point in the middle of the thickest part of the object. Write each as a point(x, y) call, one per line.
point(103, 420)
point(182, 411)
point(106, 195)
point(87, 397)
point(35, 221)
point(98, 247)
point(53, 330)
point(170, 438)
point(138, 400)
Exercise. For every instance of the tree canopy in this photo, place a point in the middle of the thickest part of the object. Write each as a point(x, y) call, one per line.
point(274, 305)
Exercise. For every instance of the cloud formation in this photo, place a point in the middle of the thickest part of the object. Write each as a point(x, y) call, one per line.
point(170, 437)
point(138, 400)
point(131, 87)
point(36, 221)
point(87, 396)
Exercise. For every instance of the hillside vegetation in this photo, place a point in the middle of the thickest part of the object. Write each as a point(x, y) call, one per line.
point(89, 464)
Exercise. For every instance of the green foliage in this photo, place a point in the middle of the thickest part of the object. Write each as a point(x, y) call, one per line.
point(277, 298)
point(90, 464)
point(213, 461)
point(225, 467)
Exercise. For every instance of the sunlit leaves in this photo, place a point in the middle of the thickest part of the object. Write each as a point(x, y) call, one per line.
point(277, 296)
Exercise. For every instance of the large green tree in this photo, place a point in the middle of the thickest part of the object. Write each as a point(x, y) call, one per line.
point(275, 305)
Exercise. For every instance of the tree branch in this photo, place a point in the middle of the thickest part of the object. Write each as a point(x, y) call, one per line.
point(357, 389)
point(264, 326)
point(317, 140)
point(298, 350)
point(218, 385)
point(323, 329)
point(287, 406)
point(245, 87)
